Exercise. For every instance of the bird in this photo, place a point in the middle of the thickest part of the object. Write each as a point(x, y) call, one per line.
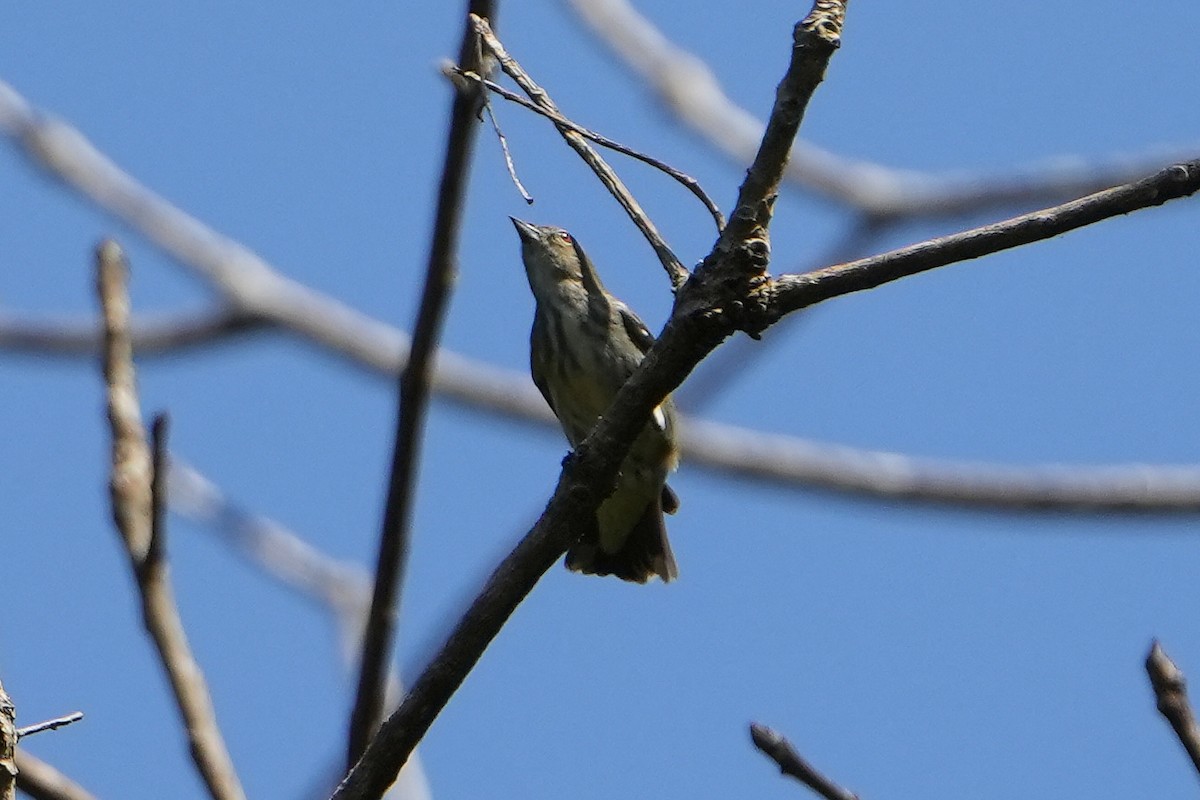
point(584, 345)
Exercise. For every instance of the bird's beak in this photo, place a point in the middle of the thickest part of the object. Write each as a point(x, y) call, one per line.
point(526, 230)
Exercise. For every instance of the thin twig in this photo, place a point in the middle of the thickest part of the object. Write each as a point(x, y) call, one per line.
point(777, 748)
point(1170, 693)
point(688, 89)
point(41, 781)
point(690, 183)
point(414, 391)
point(133, 486)
point(508, 159)
point(675, 270)
point(50, 724)
point(593, 464)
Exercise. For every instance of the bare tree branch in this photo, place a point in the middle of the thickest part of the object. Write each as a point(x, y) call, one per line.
point(137, 503)
point(50, 724)
point(675, 270)
point(8, 747)
point(687, 88)
point(415, 380)
point(159, 335)
point(791, 461)
point(798, 463)
point(383, 349)
point(343, 589)
point(777, 748)
point(41, 781)
point(590, 473)
point(792, 292)
point(1170, 692)
point(246, 282)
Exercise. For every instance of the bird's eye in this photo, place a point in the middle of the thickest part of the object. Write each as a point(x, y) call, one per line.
point(564, 237)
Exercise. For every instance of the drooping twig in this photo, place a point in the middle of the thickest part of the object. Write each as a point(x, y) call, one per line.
point(1170, 693)
point(41, 781)
point(589, 474)
point(508, 159)
point(777, 748)
point(414, 391)
point(133, 487)
point(675, 270)
point(690, 183)
point(688, 88)
point(50, 724)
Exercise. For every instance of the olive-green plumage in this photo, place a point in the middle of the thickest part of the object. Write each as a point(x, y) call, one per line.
point(584, 346)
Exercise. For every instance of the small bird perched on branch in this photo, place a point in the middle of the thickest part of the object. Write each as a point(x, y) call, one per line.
point(584, 346)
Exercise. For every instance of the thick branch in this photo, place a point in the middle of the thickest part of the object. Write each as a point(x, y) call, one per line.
point(415, 380)
point(41, 781)
point(137, 504)
point(792, 292)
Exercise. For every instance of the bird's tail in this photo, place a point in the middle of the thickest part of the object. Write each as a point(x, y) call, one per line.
point(646, 552)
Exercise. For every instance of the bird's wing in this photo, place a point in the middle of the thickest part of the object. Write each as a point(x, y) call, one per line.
point(641, 337)
point(538, 365)
point(636, 329)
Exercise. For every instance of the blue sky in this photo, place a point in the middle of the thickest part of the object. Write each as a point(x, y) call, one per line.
point(907, 651)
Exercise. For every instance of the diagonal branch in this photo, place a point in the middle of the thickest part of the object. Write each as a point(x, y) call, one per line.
point(777, 748)
point(1170, 693)
point(342, 589)
point(136, 487)
point(415, 380)
point(590, 473)
point(41, 781)
point(675, 270)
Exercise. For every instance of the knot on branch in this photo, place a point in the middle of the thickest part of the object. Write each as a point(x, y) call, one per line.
point(824, 21)
point(730, 290)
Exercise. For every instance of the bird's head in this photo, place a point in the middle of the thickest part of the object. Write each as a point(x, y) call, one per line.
point(551, 254)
